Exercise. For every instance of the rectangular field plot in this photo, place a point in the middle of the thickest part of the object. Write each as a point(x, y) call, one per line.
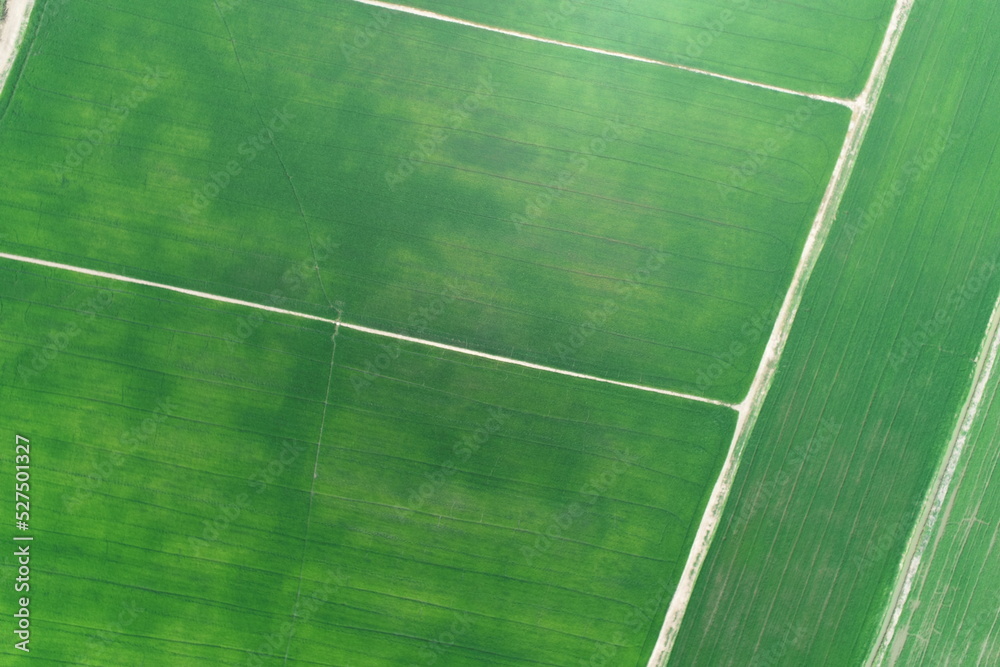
point(812, 46)
point(170, 468)
point(953, 613)
point(481, 514)
point(605, 216)
point(877, 368)
point(534, 518)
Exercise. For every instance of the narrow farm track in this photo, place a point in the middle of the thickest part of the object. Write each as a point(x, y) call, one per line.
point(749, 408)
point(358, 327)
point(615, 54)
point(11, 33)
point(312, 488)
point(939, 490)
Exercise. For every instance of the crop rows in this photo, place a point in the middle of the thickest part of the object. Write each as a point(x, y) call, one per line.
point(459, 509)
point(806, 46)
point(877, 366)
point(566, 208)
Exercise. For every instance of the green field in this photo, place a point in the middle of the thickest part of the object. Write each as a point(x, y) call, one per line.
point(216, 485)
point(566, 208)
point(478, 513)
point(951, 614)
point(810, 46)
point(877, 366)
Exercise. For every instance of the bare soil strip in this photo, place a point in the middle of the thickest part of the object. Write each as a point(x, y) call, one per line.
point(937, 493)
point(358, 327)
point(616, 54)
point(12, 30)
point(749, 408)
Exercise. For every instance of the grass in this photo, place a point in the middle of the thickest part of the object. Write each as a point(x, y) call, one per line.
point(878, 363)
point(463, 510)
point(806, 46)
point(951, 614)
point(565, 208)
point(146, 427)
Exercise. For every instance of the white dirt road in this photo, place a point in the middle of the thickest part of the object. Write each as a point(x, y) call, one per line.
point(11, 32)
point(591, 49)
point(863, 110)
point(938, 494)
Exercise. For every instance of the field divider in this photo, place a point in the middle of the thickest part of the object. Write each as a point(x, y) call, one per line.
point(12, 31)
point(312, 490)
point(851, 104)
point(937, 491)
point(339, 324)
point(749, 408)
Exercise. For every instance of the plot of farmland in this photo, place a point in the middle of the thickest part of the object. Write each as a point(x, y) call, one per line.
point(147, 427)
point(810, 46)
point(532, 517)
point(566, 208)
point(877, 366)
point(952, 616)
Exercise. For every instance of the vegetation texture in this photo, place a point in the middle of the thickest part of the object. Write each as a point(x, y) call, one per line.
point(810, 46)
point(567, 208)
point(878, 364)
point(213, 485)
point(952, 615)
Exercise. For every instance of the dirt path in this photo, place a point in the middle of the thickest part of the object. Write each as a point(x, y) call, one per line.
point(937, 494)
point(359, 327)
point(863, 110)
point(11, 32)
point(591, 49)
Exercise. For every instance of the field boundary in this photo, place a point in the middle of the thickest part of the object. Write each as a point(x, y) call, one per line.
point(358, 327)
point(592, 49)
point(749, 409)
point(938, 490)
point(12, 31)
point(312, 492)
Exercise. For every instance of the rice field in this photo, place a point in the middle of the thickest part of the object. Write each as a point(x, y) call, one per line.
point(570, 209)
point(218, 484)
point(810, 46)
point(951, 617)
point(878, 364)
point(201, 496)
